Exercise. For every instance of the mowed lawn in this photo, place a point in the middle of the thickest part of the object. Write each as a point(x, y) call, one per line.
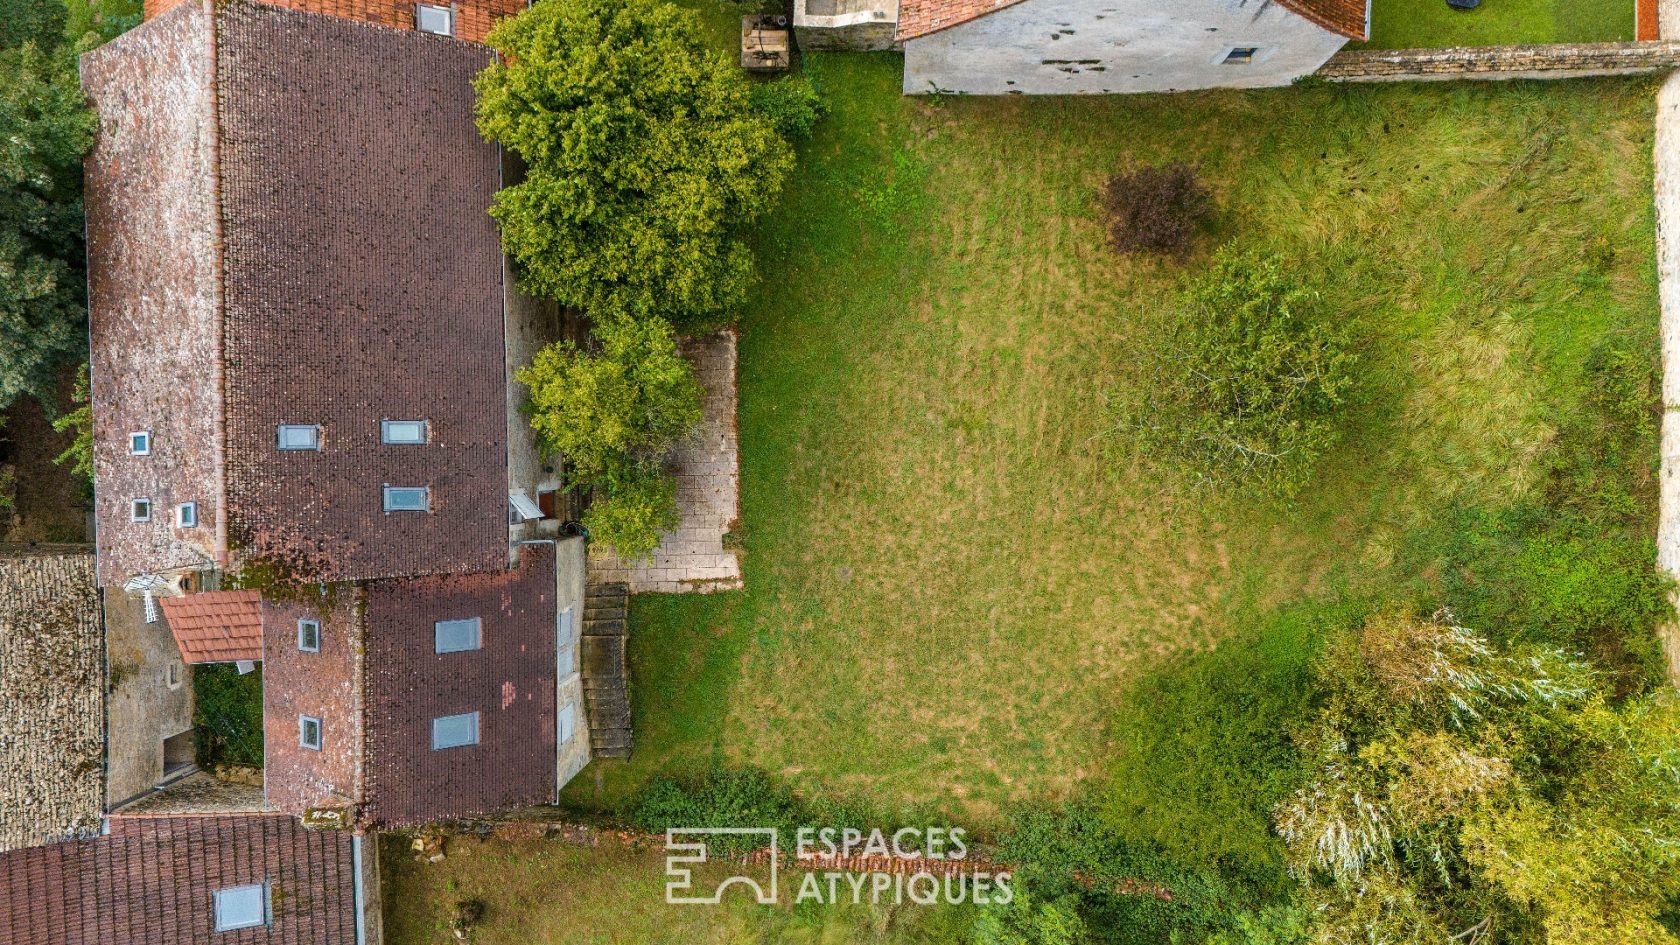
point(1409, 24)
point(954, 564)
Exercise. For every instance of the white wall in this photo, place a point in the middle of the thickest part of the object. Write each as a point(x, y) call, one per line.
point(1062, 47)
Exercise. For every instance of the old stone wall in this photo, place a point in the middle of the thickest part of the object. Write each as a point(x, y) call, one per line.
point(1545, 61)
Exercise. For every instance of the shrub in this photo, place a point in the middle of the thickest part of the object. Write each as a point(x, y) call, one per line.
point(630, 506)
point(645, 158)
point(79, 422)
point(722, 797)
point(227, 716)
point(1156, 209)
point(792, 104)
point(634, 397)
point(1249, 380)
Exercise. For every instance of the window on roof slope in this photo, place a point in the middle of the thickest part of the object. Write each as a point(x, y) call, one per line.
point(408, 499)
point(309, 732)
point(402, 432)
point(309, 636)
point(241, 907)
point(140, 443)
point(434, 19)
point(455, 731)
point(458, 636)
point(1240, 55)
point(140, 510)
point(186, 515)
point(297, 436)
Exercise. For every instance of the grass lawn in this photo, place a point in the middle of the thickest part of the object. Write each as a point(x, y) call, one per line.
point(542, 891)
point(954, 569)
point(1409, 24)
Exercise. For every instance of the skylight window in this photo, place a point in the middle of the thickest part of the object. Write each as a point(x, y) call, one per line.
point(241, 907)
point(309, 636)
point(408, 499)
point(458, 636)
point(402, 432)
point(297, 436)
point(140, 510)
point(309, 732)
point(1240, 55)
point(434, 19)
point(186, 515)
point(140, 443)
point(455, 731)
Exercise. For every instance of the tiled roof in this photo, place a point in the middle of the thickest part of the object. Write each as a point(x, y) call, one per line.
point(323, 685)
point(1347, 17)
point(473, 18)
point(921, 17)
point(153, 880)
point(510, 681)
point(216, 626)
point(364, 283)
point(52, 715)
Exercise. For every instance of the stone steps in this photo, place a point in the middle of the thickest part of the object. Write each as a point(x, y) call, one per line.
point(606, 676)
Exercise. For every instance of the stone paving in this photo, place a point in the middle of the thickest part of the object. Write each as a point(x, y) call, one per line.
point(693, 559)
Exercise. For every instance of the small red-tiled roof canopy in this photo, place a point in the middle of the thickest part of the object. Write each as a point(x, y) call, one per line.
point(216, 626)
point(921, 17)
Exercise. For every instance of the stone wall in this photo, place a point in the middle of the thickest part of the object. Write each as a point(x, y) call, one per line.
point(848, 37)
point(1549, 61)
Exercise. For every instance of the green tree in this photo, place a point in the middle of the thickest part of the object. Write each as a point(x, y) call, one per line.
point(80, 422)
point(1464, 791)
point(1249, 378)
point(45, 128)
point(645, 158)
point(614, 413)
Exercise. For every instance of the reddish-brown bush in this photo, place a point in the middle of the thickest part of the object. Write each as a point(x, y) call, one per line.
point(1156, 209)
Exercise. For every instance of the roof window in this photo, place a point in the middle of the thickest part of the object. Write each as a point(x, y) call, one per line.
point(402, 432)
point(297, 436)
point(408, 499)
point(434, 19)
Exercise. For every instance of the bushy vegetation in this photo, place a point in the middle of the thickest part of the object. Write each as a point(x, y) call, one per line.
point(79, 421)
point(1462, 789)
point(1156, 209)
point(1250, 378)
point(227, 716)
point(646, 158)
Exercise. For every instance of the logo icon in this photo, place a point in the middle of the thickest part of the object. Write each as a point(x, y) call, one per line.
point(685, 848)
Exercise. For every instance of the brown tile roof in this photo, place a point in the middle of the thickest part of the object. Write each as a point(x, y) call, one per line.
point(473, 18)
point(510, 681)
point(360, 280)
point(216, 626)
point(323, 685)
point(921, 17)
point(1347, 17)
point(152, 293)
point(153, 879)
point(52, 715)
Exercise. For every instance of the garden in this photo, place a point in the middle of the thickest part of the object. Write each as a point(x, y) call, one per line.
point(1251, 494)
point(1433, 24)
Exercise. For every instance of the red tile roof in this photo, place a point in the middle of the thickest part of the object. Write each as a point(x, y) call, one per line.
point(153, 880)
point(216, 626)
point(473, 18)
point(921, 17)
point(1347, 17)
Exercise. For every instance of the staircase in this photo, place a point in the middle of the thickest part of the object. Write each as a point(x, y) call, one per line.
point(606, 680)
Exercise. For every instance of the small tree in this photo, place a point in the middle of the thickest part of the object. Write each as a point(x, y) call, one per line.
point(614, 413)
point(1156, 209)
point(1249, 379)
point(645, 156)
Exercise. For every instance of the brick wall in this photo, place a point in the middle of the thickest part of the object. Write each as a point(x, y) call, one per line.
point(1550, 61)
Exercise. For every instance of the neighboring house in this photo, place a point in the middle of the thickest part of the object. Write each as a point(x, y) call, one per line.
point(302, 331)
point(253, 879)
point(1061, 47)
point(53, 712)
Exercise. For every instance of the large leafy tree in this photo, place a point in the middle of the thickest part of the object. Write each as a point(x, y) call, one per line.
point(1469, 794)
point(45, 128)
point(645, 153)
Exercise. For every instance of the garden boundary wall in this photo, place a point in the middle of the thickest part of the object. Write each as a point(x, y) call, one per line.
point(1543, 61)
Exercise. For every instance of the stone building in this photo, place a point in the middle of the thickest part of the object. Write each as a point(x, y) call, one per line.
point(1062, 47)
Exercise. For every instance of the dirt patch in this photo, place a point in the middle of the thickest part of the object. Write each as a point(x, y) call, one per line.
point(52, 501)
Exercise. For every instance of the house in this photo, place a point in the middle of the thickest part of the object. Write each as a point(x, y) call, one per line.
point(1063, 47)
point(257, 879)
point(306, 440)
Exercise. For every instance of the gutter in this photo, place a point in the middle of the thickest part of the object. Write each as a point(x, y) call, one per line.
point(356, 865)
